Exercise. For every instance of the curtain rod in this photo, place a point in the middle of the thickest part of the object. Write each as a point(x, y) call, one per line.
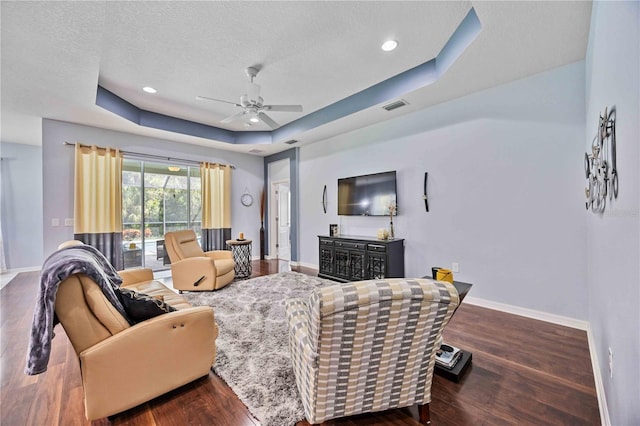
point(153, 156)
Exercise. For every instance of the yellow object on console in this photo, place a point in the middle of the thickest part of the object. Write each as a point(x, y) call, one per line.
point(444, 275)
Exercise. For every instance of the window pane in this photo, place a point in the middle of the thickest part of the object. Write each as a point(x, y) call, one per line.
point(132, 213)
point(196, 201)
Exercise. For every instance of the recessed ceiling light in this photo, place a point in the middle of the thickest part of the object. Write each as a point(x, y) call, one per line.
point(254, 120)
point(389, 45)
point(149, 89)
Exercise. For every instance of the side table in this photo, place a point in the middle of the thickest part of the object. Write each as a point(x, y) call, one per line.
point(456, 373)
point(241, 250)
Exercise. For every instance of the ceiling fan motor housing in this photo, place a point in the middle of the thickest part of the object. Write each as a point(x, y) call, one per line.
point(246, 101)
point(253, 93)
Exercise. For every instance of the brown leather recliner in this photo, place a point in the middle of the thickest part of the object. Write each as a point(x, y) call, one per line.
point(124, 366)
point(194, 270)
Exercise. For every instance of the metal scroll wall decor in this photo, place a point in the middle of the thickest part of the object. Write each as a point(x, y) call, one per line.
point(424, 197)
point(600, 165)
point(324, 199)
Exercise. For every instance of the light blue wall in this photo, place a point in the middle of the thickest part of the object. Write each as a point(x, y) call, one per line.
point(58, 173)
point(613, 239)
point(505, 190)
point(21, 205)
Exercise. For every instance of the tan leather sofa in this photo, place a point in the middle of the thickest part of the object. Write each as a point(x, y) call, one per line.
point(123, 366)
point(194, 270)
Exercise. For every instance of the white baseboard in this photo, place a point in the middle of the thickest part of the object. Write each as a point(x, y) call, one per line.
point(10, 274)
point(564, 321)
point(529, 313)
point(605, 420)
point(305, 265)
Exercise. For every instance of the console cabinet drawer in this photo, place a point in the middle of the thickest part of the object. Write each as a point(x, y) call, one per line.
point(326, 242)
point(350, 245)
point(377, 248)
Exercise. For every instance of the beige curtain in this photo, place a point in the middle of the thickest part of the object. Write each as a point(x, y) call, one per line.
point(98, 200)
point(216, 205)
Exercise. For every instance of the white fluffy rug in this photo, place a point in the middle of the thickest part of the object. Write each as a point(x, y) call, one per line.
point(253, 347)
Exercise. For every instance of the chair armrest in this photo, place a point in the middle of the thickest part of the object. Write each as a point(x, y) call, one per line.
point(133, 276)
point(187, 274)
point(219, 254)
point(299, 336)
point(147, 360)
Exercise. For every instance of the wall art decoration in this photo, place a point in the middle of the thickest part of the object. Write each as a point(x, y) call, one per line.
point(424, 196)
point(600, 164)
point(324, 199)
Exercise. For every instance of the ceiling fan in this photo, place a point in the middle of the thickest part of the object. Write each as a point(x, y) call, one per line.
point(252, 104)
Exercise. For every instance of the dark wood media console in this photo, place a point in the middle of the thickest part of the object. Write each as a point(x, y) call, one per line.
point(352, 258)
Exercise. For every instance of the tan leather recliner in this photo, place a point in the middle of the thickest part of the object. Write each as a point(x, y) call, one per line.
point(124, 366)
point(194, 270)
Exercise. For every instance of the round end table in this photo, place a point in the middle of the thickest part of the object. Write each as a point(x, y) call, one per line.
point(241, 250)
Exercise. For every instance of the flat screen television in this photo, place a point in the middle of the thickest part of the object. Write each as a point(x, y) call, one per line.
point(368, 195)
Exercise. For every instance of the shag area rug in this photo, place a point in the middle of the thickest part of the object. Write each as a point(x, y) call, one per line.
point(253, 346)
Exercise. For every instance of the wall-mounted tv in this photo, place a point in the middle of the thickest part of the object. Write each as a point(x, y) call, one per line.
point(368, 195)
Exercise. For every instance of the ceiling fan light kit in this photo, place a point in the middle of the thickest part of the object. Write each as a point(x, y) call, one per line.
point(252, 104)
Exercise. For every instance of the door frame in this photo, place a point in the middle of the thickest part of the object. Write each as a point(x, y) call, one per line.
point(273, 223)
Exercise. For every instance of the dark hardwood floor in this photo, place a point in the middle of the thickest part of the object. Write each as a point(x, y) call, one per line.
point(524, 372)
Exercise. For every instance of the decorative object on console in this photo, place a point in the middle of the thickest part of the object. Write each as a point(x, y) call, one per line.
point(600, 165)
point(324, 199)
point(391, 209)
point(333, 230)
point(383, 234)
point(424, 197)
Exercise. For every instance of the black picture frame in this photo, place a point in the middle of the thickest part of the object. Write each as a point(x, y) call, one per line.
point(333, 230)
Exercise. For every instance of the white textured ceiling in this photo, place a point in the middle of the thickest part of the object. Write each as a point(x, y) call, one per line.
point(311, 53)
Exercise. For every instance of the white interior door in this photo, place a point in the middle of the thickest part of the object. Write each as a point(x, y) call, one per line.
point(283, 220)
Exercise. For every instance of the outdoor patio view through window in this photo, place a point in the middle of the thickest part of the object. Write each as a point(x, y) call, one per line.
point(157, 198)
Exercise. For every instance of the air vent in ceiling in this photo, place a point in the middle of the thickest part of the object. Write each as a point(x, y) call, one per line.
point(291, 142)
point(395, 105)
point(256, 151)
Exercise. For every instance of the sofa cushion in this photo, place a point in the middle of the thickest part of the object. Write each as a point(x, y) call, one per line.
point(224, 266)
point(101, 307)
point(140, 307)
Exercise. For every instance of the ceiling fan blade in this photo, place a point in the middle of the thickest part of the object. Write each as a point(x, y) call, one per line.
point(204, 98)
point(234, 117)
point(283, 108)
point(266, 119)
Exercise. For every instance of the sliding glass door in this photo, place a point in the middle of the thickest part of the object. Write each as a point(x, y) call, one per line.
point(157, 198)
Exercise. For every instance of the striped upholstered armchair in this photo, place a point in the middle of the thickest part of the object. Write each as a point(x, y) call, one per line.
point(368, 346)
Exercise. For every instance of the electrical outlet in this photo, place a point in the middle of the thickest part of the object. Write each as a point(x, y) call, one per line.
point(68, 222)
point(455, 267)
point(55, 222)
point(610, 363)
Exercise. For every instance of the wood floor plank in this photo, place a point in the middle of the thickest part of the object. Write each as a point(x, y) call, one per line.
point(523, 372)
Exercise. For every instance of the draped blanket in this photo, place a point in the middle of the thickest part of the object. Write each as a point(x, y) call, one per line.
point(59, 266)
